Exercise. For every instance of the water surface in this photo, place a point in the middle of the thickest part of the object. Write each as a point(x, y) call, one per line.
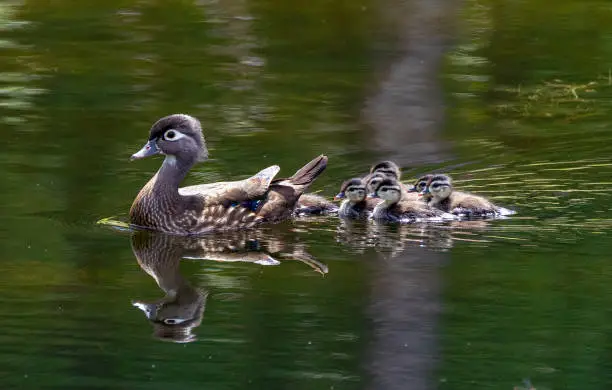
point(511, 99)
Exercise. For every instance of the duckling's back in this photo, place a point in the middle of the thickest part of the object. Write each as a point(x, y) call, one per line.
point(415, 209)
point(467, 203)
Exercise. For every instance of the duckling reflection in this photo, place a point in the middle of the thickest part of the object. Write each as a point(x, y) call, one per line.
point(393, 239)
point(175, 315)
point(353, 234)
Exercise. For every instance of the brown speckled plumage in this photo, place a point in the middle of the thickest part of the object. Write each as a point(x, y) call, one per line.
point(161, 205)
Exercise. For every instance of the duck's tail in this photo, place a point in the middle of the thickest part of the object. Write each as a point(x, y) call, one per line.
point(305, 175)
point(284, 194)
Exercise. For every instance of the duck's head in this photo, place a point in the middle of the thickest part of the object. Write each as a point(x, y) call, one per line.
point(353, 189)
point(374, 181)
point(420, 184)
point(177, 135)
point(387, 168)
point(439, 187)
point(389, 190)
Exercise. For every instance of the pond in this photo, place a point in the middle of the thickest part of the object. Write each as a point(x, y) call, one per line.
point(510, 98)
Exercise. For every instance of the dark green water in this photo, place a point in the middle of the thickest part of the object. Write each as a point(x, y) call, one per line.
point(511, 98)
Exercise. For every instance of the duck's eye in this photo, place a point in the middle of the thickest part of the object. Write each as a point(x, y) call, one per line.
point(173, 135)
point(173, 321)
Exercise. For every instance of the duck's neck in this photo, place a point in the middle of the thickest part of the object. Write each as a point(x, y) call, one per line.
point(160, 196)
point(168, 178)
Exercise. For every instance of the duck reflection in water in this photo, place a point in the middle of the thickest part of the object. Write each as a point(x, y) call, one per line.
point(175, 315)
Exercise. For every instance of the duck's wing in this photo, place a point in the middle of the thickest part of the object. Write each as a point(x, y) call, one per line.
point(233, 191)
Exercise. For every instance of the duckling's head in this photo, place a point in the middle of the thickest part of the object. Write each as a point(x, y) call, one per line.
point(374, 181)
point(439, 187)
point(353, 189)
point(388, 168)
point(389, 190)
point(177, 135)
point(420, 184)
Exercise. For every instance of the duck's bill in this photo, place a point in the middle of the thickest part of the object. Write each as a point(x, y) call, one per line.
point(339, 196)
point(149, 149)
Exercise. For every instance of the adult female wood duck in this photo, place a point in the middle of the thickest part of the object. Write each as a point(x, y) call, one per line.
point(161, 205)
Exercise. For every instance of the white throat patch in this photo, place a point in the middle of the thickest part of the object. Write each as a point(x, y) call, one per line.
point(170, 161)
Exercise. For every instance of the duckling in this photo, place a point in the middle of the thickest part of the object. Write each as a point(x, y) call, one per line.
point(420, 184)
point(355, 205)
point(373, 180)
point(388, 168)
point(161, 205)
point(439, 193)
point(312, 204)
point(395, 209)
point(376, 178)
point(382, 170)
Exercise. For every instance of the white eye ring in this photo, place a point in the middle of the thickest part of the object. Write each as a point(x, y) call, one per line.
point(173, 135)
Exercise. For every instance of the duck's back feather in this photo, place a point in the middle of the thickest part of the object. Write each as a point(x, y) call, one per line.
point(229, 192)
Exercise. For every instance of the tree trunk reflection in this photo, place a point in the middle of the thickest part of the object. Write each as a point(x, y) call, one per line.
point(406, 115)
